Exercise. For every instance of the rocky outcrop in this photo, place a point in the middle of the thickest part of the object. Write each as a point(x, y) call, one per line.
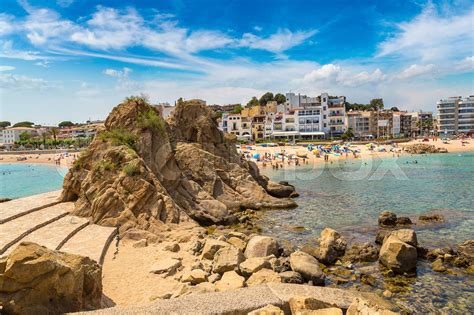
point(397, 255)
point(331, 246)
point(36, 280)
point(423, 148)
point(141, 171)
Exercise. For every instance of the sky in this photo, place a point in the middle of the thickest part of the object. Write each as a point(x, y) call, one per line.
point(75, 60)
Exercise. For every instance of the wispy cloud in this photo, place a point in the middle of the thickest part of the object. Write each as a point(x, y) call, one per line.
point(13, 82)
point(279, 42)
point(7, 68)
point(415, 71)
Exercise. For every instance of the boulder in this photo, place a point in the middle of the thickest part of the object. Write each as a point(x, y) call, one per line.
point(140, 243)
point(261, 246)
point(387, 218)
point(230, 281)
point(171, 246)
point(466, 250)
point(397, 255)
point(420, 148)
point(439, 266)
point(211, 247)
point(406, 235)
point(433, 218)
point(361, 306)
point(302, 304)
point(404, 221)
point(194, 276)
point(252, 265)
point(331, 246)
point(237, 242)
point(324, 311)
point(166, 266)
point(307, 266)
point(240, 235)
point(263, 276)
point(279, 190)
point(365, 252)
point(227, 259)
point(381, 234)
point(291, 277)
point(267, 310)
point(37, 280)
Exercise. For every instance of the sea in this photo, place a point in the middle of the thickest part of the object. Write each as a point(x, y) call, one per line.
point(22, 180)
point(348, 195)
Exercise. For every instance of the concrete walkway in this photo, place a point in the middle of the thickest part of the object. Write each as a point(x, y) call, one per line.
point(44, 220)
point(243, 301)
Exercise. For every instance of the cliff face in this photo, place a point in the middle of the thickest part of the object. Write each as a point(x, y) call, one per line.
point(142, 171)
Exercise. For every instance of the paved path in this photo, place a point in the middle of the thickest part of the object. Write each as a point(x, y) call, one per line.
point(43, 220)
point(17, 207)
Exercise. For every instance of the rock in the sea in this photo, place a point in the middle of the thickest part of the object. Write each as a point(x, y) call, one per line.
point(303, 304)
point(263, 276)
point(227, 259)
point(466, 249)
point(280, 190)
point(404, 221)
point(267, 310)
point(141, 171)
point(166, 266)
point(254, 264)
point(433, 218)
point(422, 148)
point(438, 265)
point(331, 246)
point(387, 218)
point(261, 246)
point(406, 235)
point(291, 277)
point(37, 280)
point(230, 280)
point(211, 246)
point(381, 235)
point(397, 255)
point(307, 266)
point(194, 276)
point(365, 252)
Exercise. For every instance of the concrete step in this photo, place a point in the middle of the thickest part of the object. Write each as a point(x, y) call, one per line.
point(92, 241)
point(13, 231)
point(55, 234)
point(22, 206)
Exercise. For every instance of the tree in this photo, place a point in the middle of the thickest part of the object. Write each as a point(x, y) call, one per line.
point(54, 133)
point(267, 97)
point(253, 102)
point(394, 109)
point(279, 98)
point(5, 124)
point(237, 109)
point(25, 136)
point(348, 134)
point(66, 123)
point(24, 124)
point(376, 103)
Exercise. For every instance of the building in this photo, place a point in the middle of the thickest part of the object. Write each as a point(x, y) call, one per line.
point(79, 132)
point(359, 122)
point(422, 123)
point(12, 134)
point(456, 115)
point(165, 109)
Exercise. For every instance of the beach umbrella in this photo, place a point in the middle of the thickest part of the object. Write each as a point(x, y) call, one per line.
point(256, 156)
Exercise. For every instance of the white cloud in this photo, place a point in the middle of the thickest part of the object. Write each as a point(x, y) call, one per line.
point(7, 68)
point(120, 74)
point(326, 72)
point(331, 74)
point(7, 51)
point(6, 24)
point(279, 42)
point(415, 71)
point(432, 36)
point(467, 64)
point(11, 82)
point(64, 3)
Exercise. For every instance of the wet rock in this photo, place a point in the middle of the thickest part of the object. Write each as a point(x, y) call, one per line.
point(365, 252)
point(227, 259)
point(261, 246)
point(439, 266)
point(368, 279)
point(381, 234)
point(307, 266)
point(397, 255)
point(387, 294)
point(404, 221)
point(230, 281)
point(435, 253)
point(466, 250)
point(302, 304)
point(406, 235)
point(267, 310)
point(195, 276)
point(37, 280)
point(387, 218)
point(310, 249)
point(280, 264)
point(237, 242)
point(263, 276)
point(434, 218)
point(211, 246)
point(252, 265)
point(291, 277)
point(279, 190)
point(361, 306)
point(166, 266)
point(331, 246)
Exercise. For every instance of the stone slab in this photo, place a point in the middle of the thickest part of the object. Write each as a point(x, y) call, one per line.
point(55, 233)
point(15, 230)
point(12, 209)
point(92, 241)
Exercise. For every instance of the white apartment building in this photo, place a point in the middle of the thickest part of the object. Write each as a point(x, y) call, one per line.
point(12, 135)
point(456, 115)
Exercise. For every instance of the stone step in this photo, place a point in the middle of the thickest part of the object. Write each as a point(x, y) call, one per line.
point(13, 231)
point(92, 241)
point(55, 234)
point(15, 208)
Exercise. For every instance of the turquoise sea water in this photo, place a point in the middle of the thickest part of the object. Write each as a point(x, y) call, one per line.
point(349, 195)
point(21, 180)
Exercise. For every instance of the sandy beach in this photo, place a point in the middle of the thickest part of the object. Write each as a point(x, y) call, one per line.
point(39, 158)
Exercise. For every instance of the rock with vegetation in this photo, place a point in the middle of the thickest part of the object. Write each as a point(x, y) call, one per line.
point(141, 171)
point(364, 252)
point(37, 280)
point(387, 218)
point(433, 218)
point(422, 148)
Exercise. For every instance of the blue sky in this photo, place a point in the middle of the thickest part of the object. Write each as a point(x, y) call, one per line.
point(75, 60)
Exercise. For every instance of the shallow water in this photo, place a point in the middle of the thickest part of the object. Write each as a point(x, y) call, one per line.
point(349, 195)
point(21, 180)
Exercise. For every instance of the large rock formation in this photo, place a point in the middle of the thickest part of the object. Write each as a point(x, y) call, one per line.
point(36, 280)
point(142, 171)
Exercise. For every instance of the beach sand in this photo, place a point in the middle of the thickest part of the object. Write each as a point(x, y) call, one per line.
point(39, 158)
